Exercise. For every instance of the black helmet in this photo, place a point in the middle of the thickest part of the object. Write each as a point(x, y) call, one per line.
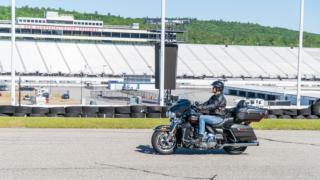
point(219, 85)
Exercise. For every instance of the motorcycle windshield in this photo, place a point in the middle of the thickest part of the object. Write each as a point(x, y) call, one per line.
point(180, 106)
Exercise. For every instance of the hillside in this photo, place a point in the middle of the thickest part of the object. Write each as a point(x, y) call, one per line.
point(198, 31)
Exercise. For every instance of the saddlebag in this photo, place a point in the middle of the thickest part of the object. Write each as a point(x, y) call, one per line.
point(243, 132)
point(250, 114)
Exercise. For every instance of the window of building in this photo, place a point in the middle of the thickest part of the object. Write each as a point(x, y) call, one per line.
point(36, 31)
point(153, 36)
point(106, 34)
point(114, 34)
point(77, 33)
point(86, 33)
point(67, 32)
point(46, 32)
point(134, 35)
point(26, 31)
point(125, 35)
point(5, 30)
point(98, 34)
point(143, 36)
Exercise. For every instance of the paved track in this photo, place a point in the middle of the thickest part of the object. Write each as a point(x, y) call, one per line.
point(126, 154)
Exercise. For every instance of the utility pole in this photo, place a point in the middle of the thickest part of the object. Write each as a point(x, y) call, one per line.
point(19, 90)
point(13, 41)
point(162, 59)
point(81, 76)
point(300, 60)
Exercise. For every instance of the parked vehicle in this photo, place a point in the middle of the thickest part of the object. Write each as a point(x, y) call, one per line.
point(27, 88)
point(233, 135)
point(27, 98)
point(65, 96)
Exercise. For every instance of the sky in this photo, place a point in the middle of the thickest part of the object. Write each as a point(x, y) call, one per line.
point(274, 13)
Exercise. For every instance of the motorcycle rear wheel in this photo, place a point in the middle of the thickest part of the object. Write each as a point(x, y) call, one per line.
point(234, 150)
point(161, 145)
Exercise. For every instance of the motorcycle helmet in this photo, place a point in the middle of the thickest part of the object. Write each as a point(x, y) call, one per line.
point(219, 85)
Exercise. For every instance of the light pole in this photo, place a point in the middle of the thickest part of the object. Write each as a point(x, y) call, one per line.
point(162, 59)
point(104, 69)
point(300, 54)
point(50, 79)
point(81, 84)
point(81, 76)
point(13, 40)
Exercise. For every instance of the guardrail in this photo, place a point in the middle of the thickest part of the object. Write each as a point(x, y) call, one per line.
point(135, 111)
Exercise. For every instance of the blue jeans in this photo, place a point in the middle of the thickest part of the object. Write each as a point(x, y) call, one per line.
point(207, 119)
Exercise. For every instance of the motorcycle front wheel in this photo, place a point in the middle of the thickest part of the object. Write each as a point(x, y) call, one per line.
point(162, 145)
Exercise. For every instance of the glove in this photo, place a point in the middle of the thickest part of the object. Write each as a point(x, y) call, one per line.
point(203, 107)
point(200, 106)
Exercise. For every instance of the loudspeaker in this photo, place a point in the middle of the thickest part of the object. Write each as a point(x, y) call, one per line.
point(170, 66)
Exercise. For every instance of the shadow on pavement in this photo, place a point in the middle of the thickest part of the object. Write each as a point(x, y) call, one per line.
point(147, 149)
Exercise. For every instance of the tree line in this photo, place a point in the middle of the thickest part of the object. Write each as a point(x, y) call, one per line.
point(197, 31)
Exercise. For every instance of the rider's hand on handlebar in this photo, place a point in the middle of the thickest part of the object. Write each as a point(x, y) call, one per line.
point(200, 107)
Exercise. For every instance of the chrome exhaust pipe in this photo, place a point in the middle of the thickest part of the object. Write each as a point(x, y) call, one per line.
point(240, 144)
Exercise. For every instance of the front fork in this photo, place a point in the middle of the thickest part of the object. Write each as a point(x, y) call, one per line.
point(173, 128)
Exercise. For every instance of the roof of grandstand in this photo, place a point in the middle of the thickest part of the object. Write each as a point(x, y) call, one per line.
point(47, 57)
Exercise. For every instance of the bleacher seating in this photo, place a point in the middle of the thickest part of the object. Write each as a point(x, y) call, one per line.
point(134, 60)
point(190, 58)
point(201, 53)
point(221, 55)
point(53, 57)
point(75, 60)
point(5, 58)
point(36, 64)
point(95, 59)
point(193, 60)
point(115, 60)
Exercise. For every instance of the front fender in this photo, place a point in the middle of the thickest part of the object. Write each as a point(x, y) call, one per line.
point(162, 128)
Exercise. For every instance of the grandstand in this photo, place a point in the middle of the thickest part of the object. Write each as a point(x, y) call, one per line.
point(59, 50)
point(216, 61)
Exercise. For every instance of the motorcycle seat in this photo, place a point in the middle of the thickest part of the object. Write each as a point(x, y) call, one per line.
point(226, 122)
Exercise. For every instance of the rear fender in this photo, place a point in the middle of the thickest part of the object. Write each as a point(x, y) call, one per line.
point(162, 128)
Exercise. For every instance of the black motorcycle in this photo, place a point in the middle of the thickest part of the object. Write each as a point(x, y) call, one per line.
point(233, 135)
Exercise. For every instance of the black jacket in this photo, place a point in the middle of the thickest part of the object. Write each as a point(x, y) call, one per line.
point(216, 105)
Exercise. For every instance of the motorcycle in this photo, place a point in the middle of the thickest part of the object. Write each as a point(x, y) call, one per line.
point(233, 135)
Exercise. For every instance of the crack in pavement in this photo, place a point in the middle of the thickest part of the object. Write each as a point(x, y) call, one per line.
point(156, 173)
point(39, 168)
point(289, 142)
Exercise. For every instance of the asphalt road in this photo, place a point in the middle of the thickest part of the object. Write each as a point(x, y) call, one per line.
point(126, 154)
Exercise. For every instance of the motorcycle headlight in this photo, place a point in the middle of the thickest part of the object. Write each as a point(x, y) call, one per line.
point(170, 114)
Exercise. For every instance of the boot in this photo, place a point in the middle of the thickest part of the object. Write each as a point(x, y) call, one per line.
point(198, 140)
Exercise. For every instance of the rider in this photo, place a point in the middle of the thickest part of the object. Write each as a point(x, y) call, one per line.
point(215, 107)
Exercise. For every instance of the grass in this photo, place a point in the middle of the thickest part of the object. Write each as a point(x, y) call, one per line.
point(287, 124)
point(45, 122)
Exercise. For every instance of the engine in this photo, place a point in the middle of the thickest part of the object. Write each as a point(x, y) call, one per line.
point(211, 141)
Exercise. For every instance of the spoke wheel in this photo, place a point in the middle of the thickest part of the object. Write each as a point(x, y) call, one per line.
point(161, 144)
